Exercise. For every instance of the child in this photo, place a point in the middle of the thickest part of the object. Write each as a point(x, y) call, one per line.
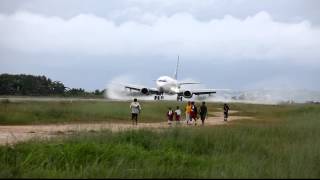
point(170, 116)
point(177, 113)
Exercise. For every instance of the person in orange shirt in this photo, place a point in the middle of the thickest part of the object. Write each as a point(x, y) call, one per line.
point(188, 111)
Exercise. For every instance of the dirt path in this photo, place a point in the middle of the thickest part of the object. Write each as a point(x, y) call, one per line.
point(14, 134)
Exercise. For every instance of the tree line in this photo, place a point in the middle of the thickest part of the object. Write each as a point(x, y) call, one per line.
point(30, 85)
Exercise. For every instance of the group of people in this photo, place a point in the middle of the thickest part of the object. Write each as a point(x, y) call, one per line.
point(176, 115)
point(191, 111)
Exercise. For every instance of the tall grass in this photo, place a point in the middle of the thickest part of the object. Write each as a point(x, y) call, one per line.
point(76, 111)
point(283, 144)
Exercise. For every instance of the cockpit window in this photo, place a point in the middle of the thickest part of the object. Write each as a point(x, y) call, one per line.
point(160, 80)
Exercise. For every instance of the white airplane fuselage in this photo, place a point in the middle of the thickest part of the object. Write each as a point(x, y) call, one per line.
point(168, 85)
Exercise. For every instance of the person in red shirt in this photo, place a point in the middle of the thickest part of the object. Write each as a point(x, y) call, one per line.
point(177, 114)
point(170, 115)
point(194, 113)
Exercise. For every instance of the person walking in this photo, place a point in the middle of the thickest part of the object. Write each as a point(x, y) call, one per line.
point(135, 111)
point(225, 111)
point(203, 112)
point(194, 113)
point(188, 111)
point(177, 114)
point(170, 115)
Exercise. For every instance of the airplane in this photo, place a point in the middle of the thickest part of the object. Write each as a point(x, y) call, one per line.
point(171, 86)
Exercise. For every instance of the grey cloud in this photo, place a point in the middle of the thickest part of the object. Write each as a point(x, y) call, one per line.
point(255, 38)
point(127, 10)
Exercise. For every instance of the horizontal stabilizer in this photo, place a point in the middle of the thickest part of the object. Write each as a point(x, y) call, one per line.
point(185, 83)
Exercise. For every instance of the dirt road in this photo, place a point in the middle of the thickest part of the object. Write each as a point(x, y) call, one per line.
point(17, 133)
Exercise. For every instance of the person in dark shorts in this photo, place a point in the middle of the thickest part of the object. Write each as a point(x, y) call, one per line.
point(135, 110)
point(225, 111)
point(203, 112)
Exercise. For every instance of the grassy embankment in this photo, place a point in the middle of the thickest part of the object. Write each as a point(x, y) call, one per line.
point(283, 143)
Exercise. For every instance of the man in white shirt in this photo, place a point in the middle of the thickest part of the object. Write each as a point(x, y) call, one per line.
point(177, 114)
point(135, 110)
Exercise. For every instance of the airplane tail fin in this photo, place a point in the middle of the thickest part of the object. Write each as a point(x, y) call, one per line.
point(176, 73)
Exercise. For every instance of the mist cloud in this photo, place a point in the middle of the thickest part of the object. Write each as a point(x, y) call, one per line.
point(229, 38)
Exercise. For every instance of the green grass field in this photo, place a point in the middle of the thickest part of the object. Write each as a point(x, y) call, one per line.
point(283, 142)
point(31, 112)
point(77, 111)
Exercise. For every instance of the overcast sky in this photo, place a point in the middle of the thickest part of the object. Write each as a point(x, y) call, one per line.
point(237, 44)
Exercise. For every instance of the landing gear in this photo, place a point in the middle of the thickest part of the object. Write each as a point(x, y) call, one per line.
point(158, 97)
point(179, 98)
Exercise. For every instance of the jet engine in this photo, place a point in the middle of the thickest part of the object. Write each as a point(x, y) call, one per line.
point(145, 91)
point(187, 94)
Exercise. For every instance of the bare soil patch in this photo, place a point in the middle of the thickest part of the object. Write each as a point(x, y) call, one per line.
point(13, 134)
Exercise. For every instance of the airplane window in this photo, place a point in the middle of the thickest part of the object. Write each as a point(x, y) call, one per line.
point(162, 80)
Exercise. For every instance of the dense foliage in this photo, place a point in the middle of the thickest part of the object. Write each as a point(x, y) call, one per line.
point(31, 85)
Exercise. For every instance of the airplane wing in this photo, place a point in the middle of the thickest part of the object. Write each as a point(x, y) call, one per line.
point(203, 91)
point(189, 93)
point(207, 91)
point(132, 87)
point(143, 90)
